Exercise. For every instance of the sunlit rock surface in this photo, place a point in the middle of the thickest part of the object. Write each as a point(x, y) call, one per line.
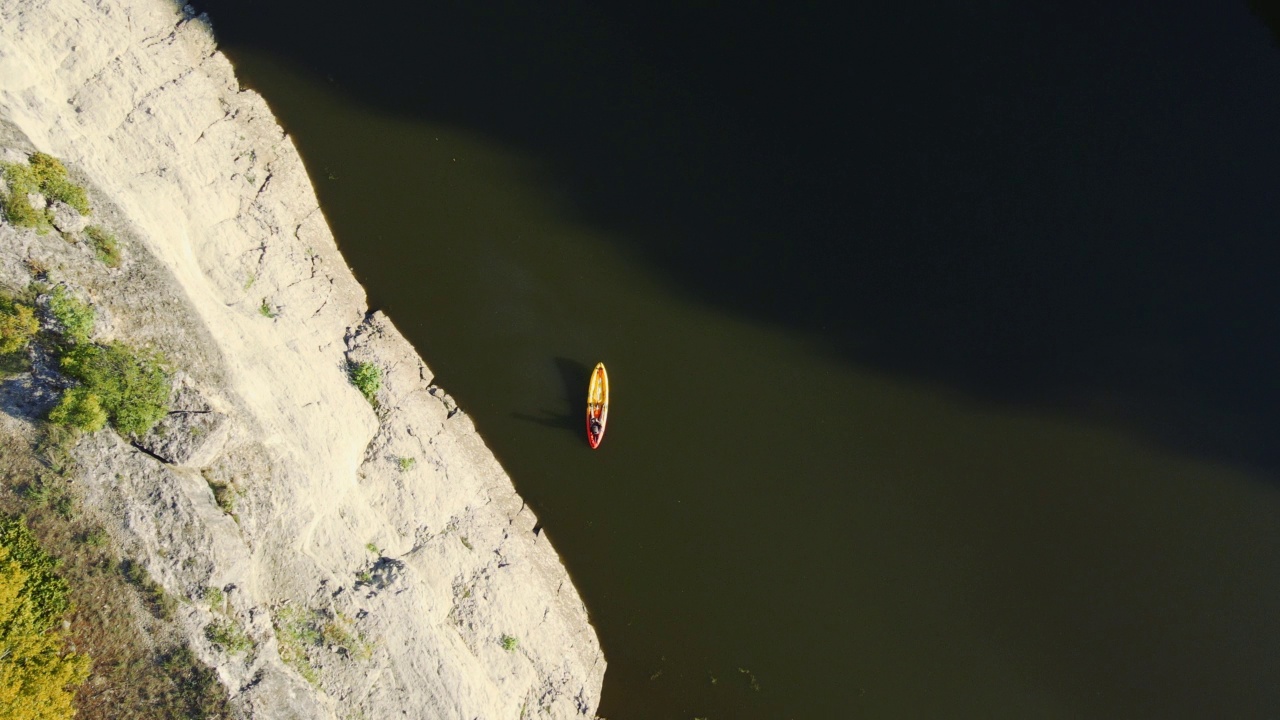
point(388, 526)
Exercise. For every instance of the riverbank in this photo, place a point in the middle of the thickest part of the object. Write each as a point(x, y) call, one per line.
point(383, 518)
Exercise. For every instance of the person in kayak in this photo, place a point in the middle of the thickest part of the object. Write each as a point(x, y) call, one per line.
point(595, 427)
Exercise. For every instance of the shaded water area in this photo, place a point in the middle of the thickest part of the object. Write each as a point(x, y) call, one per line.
point(941, 340)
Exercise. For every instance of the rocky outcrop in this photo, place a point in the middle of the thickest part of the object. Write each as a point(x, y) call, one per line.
point(374, 553)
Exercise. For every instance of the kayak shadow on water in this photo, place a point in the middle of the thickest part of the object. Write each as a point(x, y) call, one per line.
point(573, 384)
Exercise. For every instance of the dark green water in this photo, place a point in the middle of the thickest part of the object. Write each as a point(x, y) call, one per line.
point(855, 542)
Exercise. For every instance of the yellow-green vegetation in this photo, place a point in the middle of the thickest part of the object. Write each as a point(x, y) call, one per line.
point(74, 316)
point(18, 325)
point(130, 386)
point(226, 634)
point(215, 597)
point(81, 409)
point(367, 378)
point(339, 632)
point(509, 642)
point(37, 678)
point(137, 671)
point(406, 463)
point(104, 244)
point(296, 633)
point(49, 490)
point(301, 632)
point(44, 175)
point(225, 493)
point(52, 181)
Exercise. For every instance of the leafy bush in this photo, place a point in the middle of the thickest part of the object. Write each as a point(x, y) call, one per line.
point(21, 180)
point(131, 386)
point(406, 463)
point(215, 597)
point(51, 178)
point(302, 632)
point(75, 317)
point(104, 244)
point(43, 588)
point(37, 681)
point(510, 642)
point(367, 378)
point(227, 635)
point(296, 633)
point(44, 175)
point(17, 325)
point(79, 408)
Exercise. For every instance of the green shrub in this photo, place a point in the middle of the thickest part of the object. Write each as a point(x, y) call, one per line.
point(510, 642)
point(227, 635)
point(131, 386)
point(21, 181)
point(367, 378)
point(39, 680)
point(51, 179)
point(298, 636)
point(46, 176)
point(79, 408)
point(45, 590)
point(75, 317)
point(17, 325)
point(406, 463)
point(45, 168)
point(104, 244)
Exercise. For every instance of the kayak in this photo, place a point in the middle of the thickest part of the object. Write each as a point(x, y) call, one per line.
point(597, 404)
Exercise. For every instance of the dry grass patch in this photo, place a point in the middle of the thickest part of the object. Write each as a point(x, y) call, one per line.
point(140, 667)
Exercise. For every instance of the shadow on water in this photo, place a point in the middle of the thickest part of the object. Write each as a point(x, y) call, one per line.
point(573, 381)
point(1056, 206)
point(1031, 205)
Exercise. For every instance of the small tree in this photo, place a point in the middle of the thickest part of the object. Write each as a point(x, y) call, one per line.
point(132, 387)
point(81, 409)
point(367, 378)
point(75, 316)
point(37, 681)
point(51, 178)
point(17, 325)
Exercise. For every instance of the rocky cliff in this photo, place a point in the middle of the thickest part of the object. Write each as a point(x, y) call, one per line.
point(372, 551)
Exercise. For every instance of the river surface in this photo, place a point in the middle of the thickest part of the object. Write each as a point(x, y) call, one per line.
point(905, 423)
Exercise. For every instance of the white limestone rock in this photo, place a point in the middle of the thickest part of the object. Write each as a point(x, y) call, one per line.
point(215, 212)
point(67, 219)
